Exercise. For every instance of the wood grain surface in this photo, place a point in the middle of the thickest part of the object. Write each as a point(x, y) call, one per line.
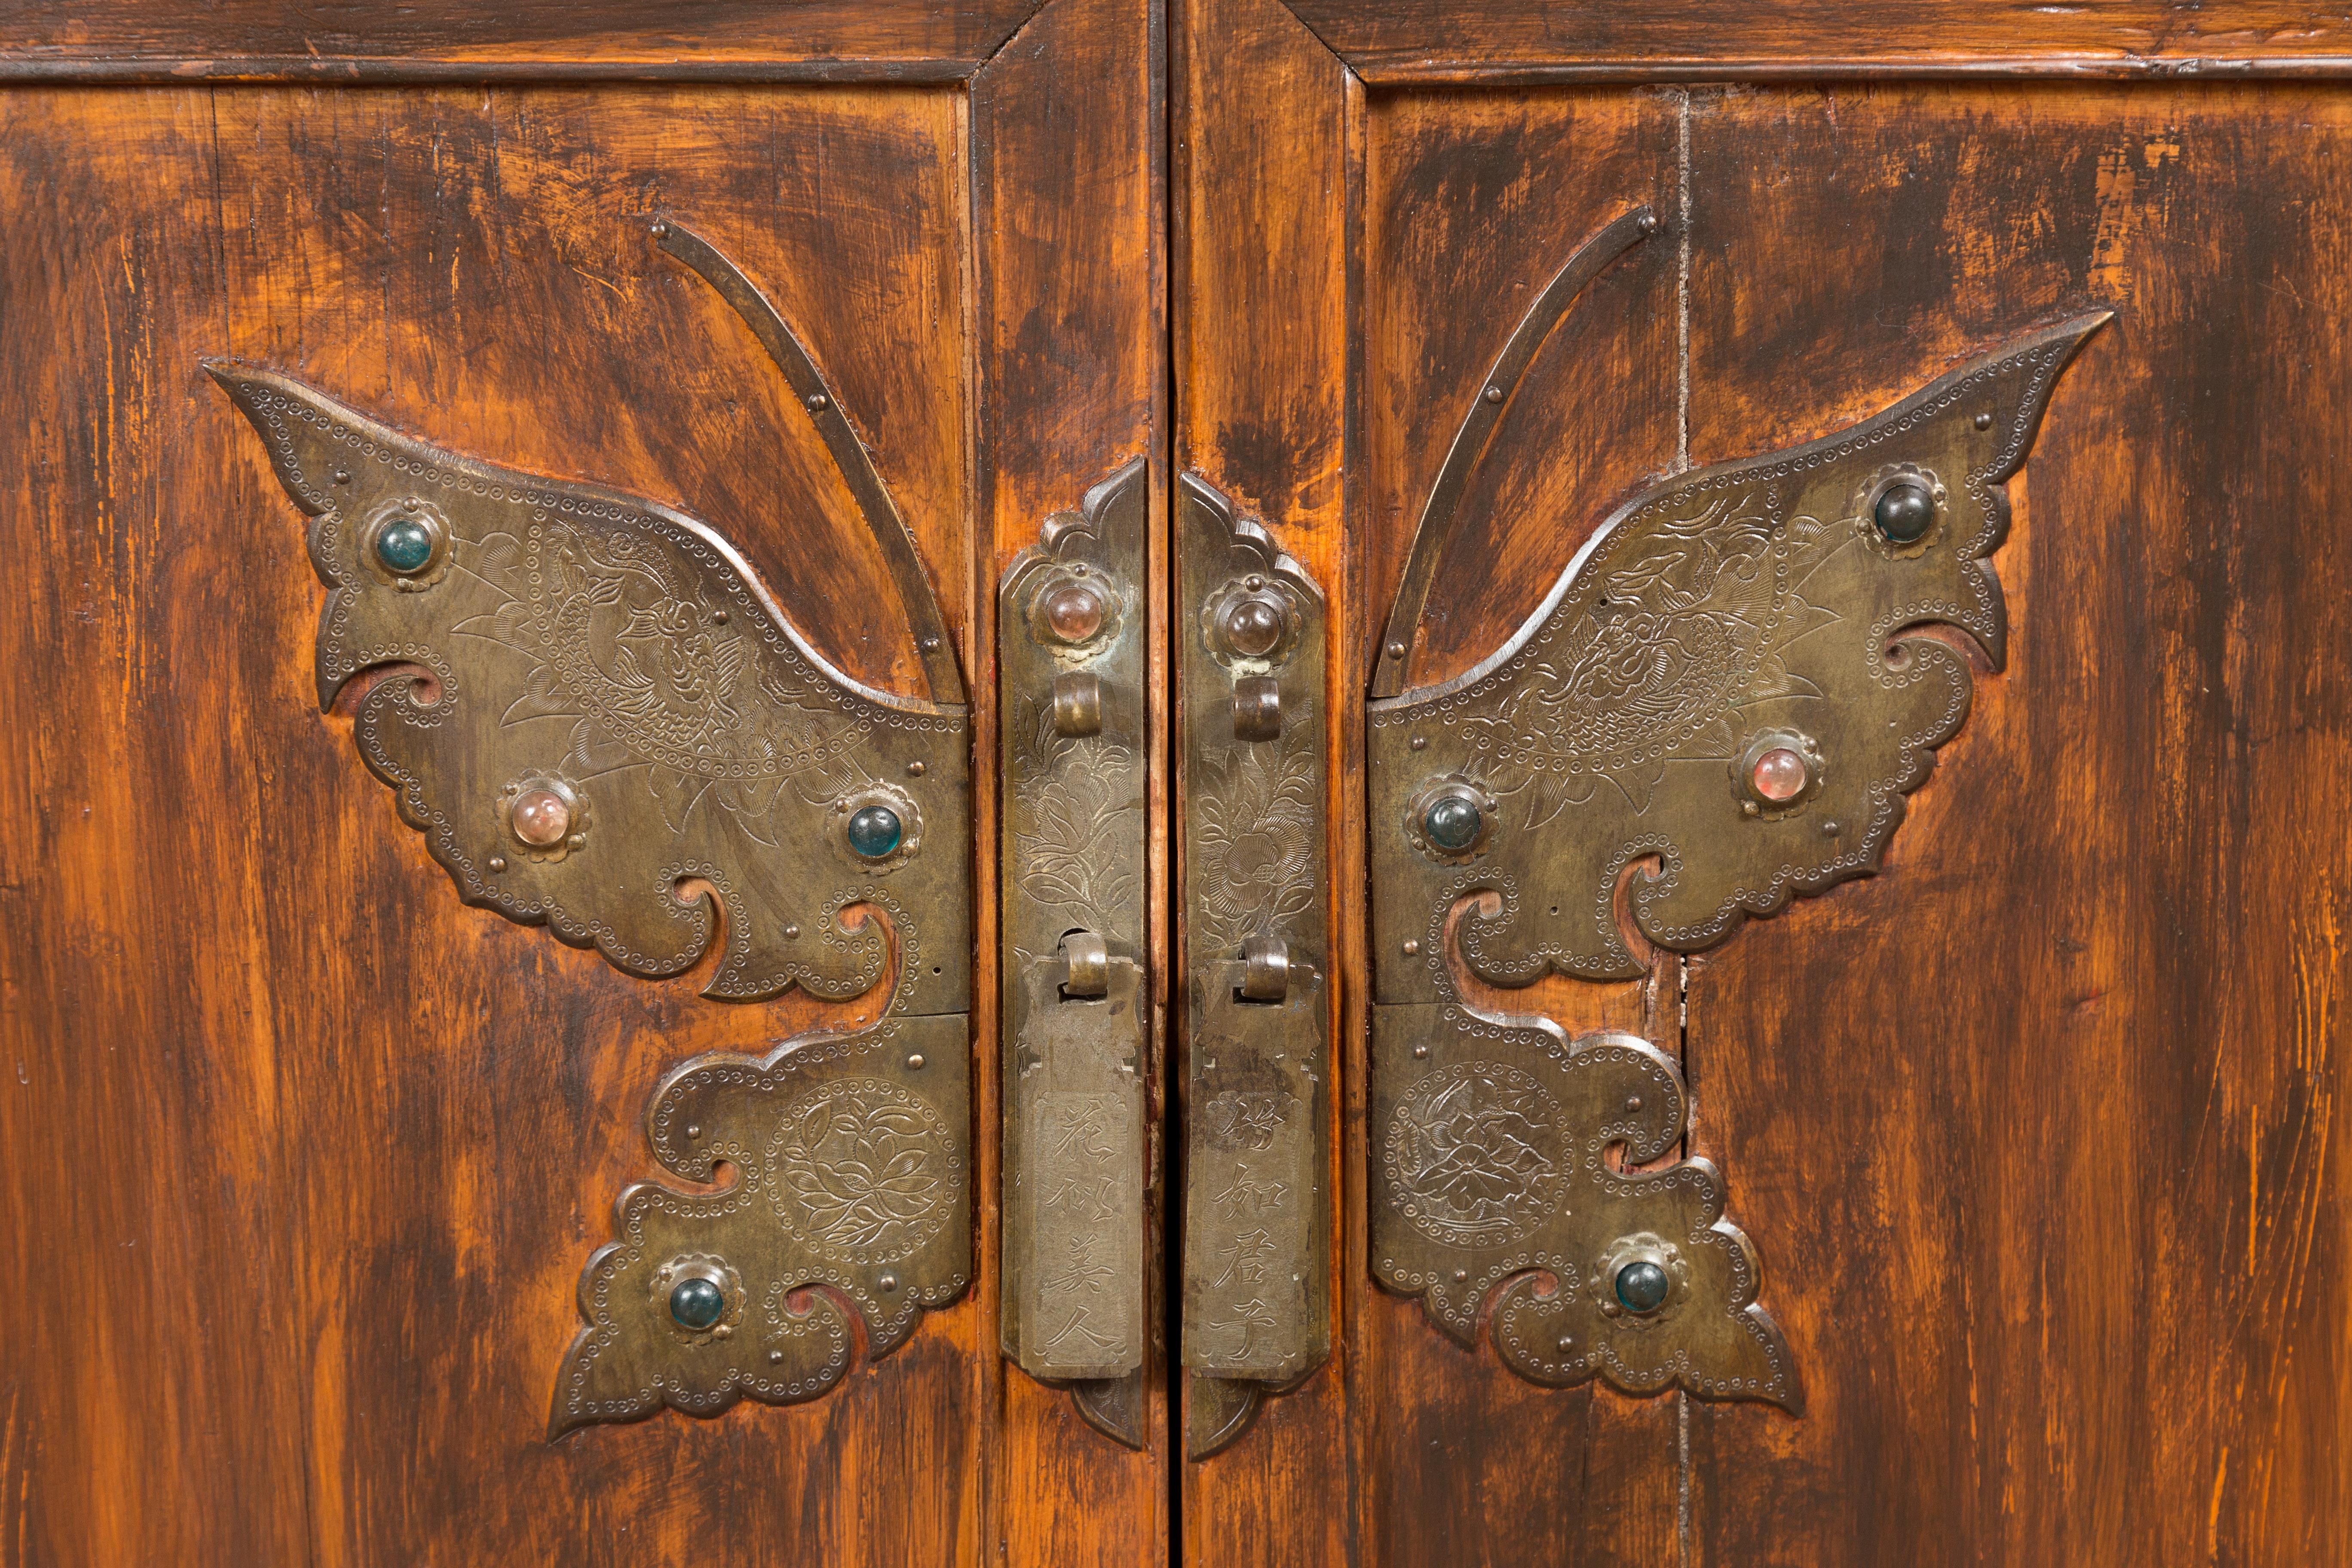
point(303, 1158)
point(2037, 1131)
point(1073, 364)
point(123, 40)
point(1392, 42)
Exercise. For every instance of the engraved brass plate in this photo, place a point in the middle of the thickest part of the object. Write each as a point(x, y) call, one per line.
point(1720, 705)
point(1074, 1178)
point(603, 723)
point(1754, 614)
point(1079, 1241)
point(1256, 938)
point(850, 1191)
point(1498, 1149)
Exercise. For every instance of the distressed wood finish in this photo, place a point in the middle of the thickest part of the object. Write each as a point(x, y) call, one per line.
point(1074, 362)
point(2039, 1130)
point(377, 1133)
point(1398, 41)
point(122, 40)
point(1263, 239)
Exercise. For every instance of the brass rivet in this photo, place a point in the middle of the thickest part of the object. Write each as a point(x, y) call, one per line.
point(1984, 421)
point(1420, 743)
point(1396, 651)
point(1634, 1102)
point(775, 1358)
point(914, 770)
point(1567, 1341)
point(1830, 829)
point(792, 933)
point(1494, 394)
point(889, 1281)
point(577, 841)
point(497, 862)
point(916, 1061)
point(1750, 807)
point(1649, 224)
point(343, 475)
point(718, 618)
point(1462, 1276)
point(693, 1129)
point(818, 403)
point(1254, 582)
point(1412, 946)
point(661, 229)
point(930, 645)
point(1420, 1053)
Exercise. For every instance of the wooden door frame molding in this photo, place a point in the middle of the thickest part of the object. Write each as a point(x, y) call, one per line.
point(1511, 43)
point(444, 42)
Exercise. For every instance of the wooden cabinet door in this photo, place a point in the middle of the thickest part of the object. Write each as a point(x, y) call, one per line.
point(306, 1147)
point(2032, 1131)
point(1705, 643)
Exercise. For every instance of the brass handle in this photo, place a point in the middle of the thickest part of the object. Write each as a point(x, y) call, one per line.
point(1070, 671)
point(1257, 1289)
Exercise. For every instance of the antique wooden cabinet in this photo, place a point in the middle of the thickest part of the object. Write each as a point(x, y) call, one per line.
point(1254, 780)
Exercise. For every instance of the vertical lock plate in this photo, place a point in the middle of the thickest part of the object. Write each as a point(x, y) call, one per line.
point(1077, 1179)
point(1256, 935)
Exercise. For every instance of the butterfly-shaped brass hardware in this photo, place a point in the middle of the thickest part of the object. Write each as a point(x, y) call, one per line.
point(1721, 703)
point(603, 722)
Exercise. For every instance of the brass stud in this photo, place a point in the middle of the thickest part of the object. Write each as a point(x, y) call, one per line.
point(914, 770)
point(1494, 394)
point(792, 933)
point(889, 1281)
point(343, 475)
point(1412, 946)
point(1396, 651)
point(497, 862)
point(1421, 743)
point(818, 403)
point(915, 1062)
point(1984, 421)
point(1462, 1276)
point(693, 1131)
point(718, 618)
point(1421, 1053)
point(775, 1358)
point(1634, 1102)
point(661, 229)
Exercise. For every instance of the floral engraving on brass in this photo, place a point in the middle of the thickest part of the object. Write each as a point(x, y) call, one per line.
point(1500, 1150)
point(850, 1191)
point(1721, 704)
point(603, 723)
point(1257, 1297)
point(1723, 604)
point(1079, 1222)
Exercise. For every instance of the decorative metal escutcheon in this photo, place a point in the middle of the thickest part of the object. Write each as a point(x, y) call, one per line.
point(1256, 1302)
point(1078, 1237)
point(603, 723)
point(1721, 704)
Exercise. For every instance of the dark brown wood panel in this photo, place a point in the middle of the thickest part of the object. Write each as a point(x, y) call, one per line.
point(302, 1157)
point(1395, 41)
point(123, 40)
point(1073, 367)
point(2039, 1132)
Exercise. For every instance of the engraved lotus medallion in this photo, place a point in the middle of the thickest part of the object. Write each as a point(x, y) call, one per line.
point(1474, 1151)
point(863, 1171)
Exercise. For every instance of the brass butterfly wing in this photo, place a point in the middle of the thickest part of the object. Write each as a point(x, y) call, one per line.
point(1737, 680)
point(1721, 703)
point(601, 721)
